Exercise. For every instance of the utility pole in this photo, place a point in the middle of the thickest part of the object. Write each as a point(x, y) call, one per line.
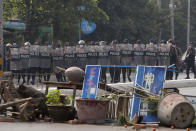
point(1, 37)
point(171, 6)
point(188, 22)
point(159, 3)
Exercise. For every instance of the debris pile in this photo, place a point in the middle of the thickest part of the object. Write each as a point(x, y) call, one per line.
point(22, 103)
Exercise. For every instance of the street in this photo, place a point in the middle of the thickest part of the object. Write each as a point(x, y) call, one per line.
point(35, 126)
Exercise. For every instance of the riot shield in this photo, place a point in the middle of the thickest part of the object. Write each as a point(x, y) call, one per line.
point(139, 54)
point(126, 54)
point(69, 56)
point(81, 56)
point(24, 57)
point(114, 55)
point(45, 57)
point(164, 55)
point(103, 58)
point(92, 54)
point(58, 58)
point(151, 55)
point(14, 59)
point(34, 60)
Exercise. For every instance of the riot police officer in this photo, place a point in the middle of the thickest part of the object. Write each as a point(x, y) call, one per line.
point(178, 62)
point(173, 59)
point(81, 54)
point(15, 61)
point(126, 59)
point(114, 56)
point(139, 53)
point(58, 60)
point(24, 61)
point(151, 53)
point(163, 54)
point(103, 50)
point(46, 59)
point(190, 59)
point(7, 56)
point(34, 62)
point(92, 53)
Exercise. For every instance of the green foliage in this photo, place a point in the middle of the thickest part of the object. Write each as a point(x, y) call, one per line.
point(68, 99)
point(53, 97)
point(62, 15)
point(152, 102)
point(121, 120)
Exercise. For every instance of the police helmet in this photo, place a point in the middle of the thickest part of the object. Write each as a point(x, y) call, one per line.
point(15, 45)
point(115, 42)
point(162, 41)
point(138, 42)
point(81, 42)
point(27, 44)
point(8, 45)
point(170, 41)
point(125, 41)
point(102, 43)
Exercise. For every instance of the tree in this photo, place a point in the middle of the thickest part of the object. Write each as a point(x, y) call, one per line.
point(128, 19)
point(63, 16)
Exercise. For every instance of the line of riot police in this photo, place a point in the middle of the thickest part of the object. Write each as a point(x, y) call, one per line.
point(35, 60)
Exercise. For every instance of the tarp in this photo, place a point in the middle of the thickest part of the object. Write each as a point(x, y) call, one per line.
point(15, 26)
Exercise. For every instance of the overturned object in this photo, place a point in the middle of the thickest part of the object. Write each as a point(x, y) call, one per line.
point(74, 74)
point(175, 110)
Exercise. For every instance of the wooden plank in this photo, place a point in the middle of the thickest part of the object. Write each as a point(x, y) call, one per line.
point(62, 85)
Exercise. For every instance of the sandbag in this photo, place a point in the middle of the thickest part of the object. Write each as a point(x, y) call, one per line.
point(74, 74)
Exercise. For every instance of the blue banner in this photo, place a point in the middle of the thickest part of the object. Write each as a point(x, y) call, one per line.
point(91, 81)
point(151, 79)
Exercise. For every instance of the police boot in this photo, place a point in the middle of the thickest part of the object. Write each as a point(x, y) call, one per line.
point(33, 80)
point(23, 79)
point(124, 78)
point(48, 77)
point(176, 77)
point(129, 75)
point(45, 78)
point(28, 78)
point(187, 74)
point(19, 76)
point(187, 77)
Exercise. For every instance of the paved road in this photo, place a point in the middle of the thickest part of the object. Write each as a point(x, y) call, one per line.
point(22, 126)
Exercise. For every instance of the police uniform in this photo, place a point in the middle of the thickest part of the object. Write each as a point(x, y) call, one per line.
point(81, 56)
point(24, 61)
point(15, 61)
point(190, 59)
point(45, 63)
point(126, 59)
point(34, 62)
point(114, 57)
point(58, 60)
point(139, 53)
point(103, 50)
